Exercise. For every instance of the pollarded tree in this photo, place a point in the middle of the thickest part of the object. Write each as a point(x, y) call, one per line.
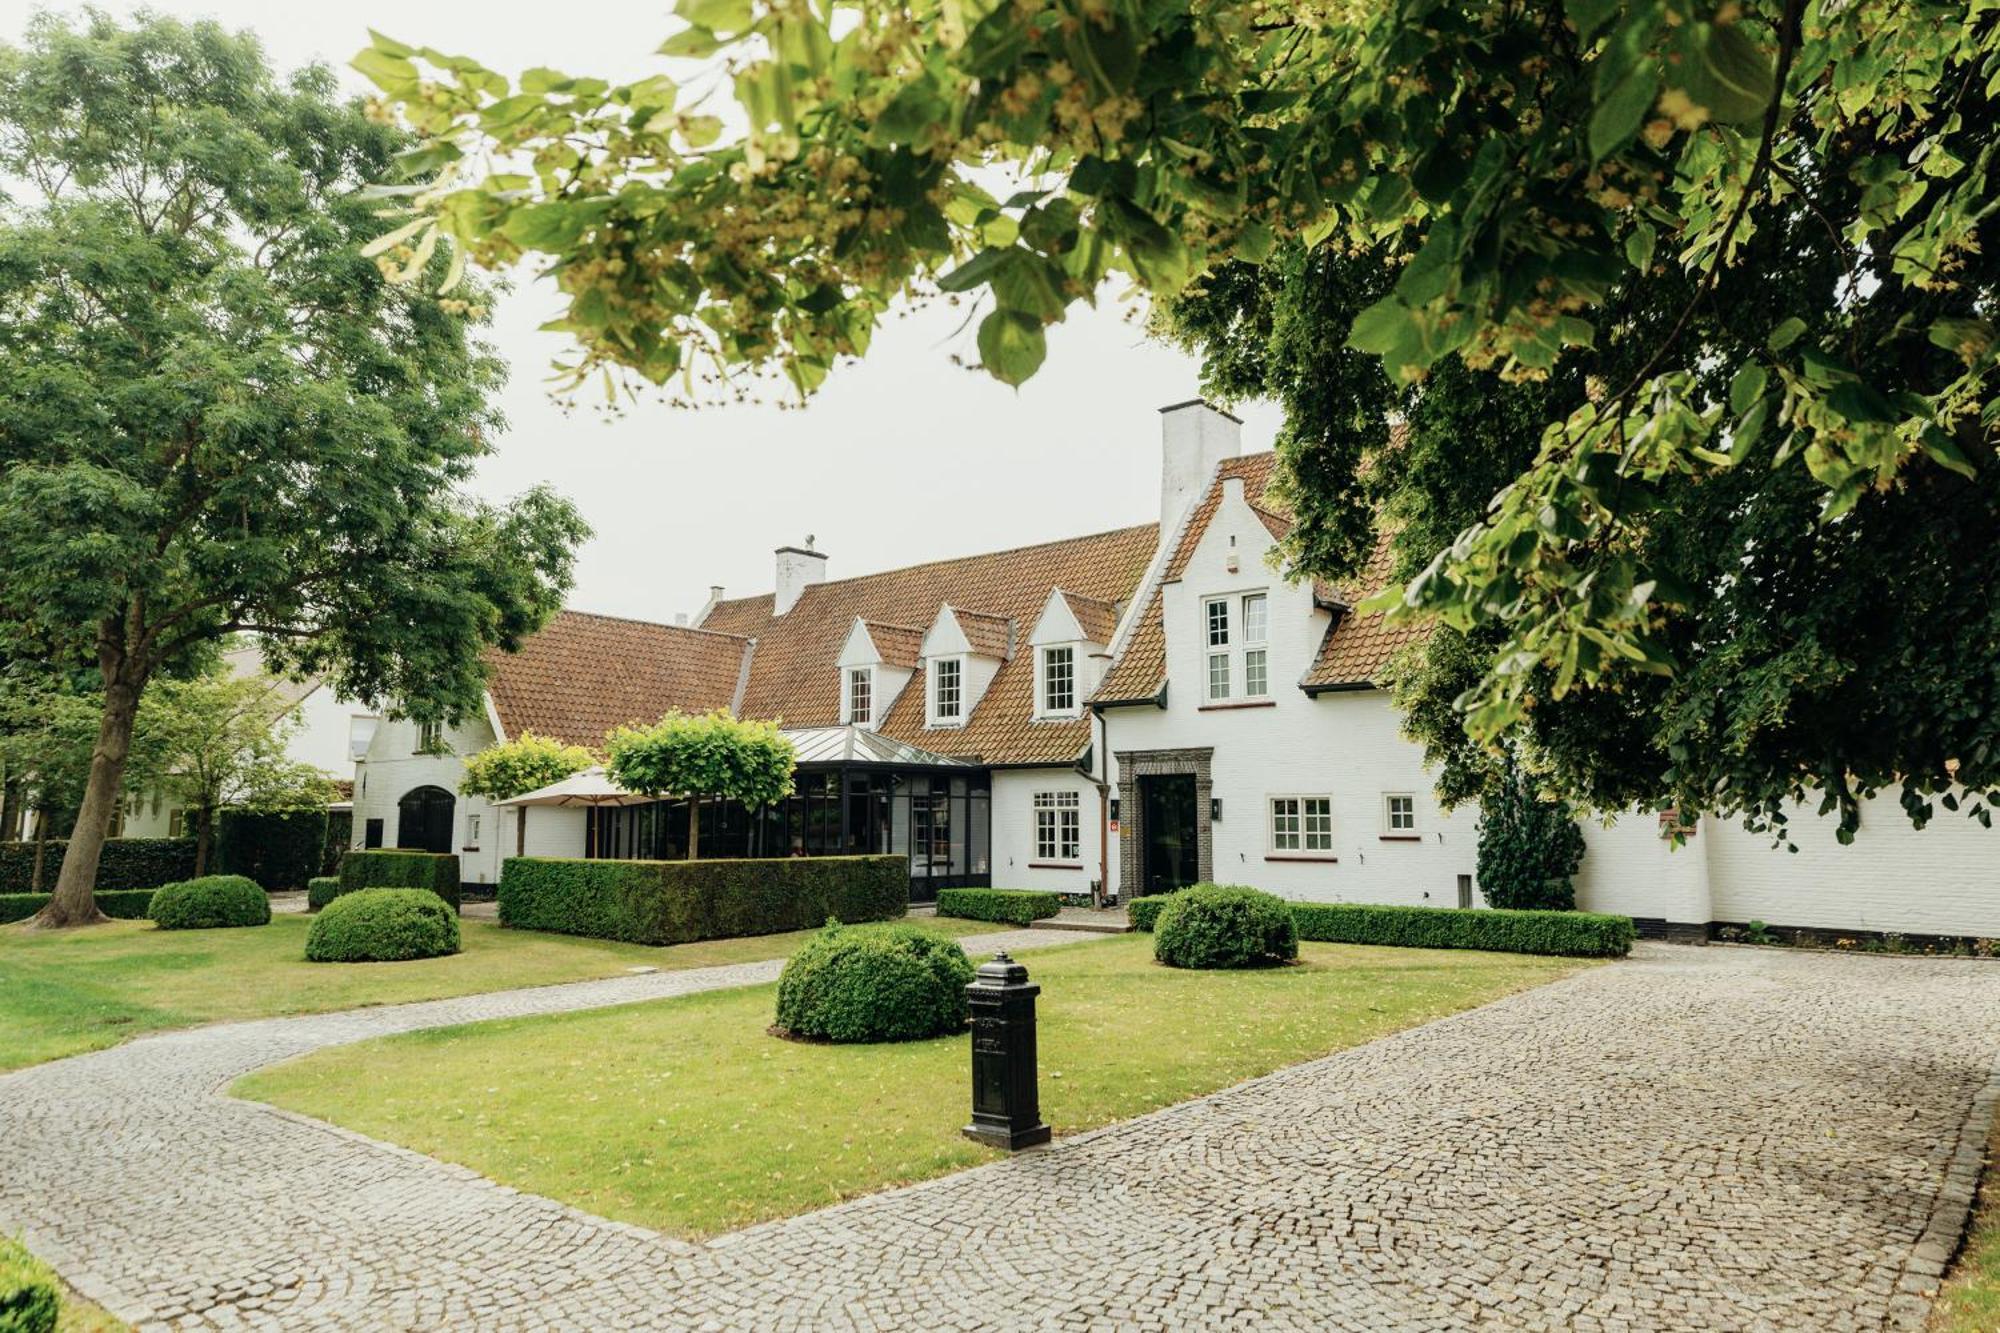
point(1539, 181)
point(217, 416)
point(697, 757)
point(500, 772)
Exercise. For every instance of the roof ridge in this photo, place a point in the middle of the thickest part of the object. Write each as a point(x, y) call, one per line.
point(958, 560)
point(655, 624)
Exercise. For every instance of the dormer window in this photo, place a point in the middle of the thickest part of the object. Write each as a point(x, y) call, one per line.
point(1059, 680)
point(860, 696)
point(948, 690)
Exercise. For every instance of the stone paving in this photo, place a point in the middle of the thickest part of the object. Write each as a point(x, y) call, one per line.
point(1694, 1139)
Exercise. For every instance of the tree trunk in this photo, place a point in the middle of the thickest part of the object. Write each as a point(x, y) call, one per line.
point(75, 900)
point(204, 825)
point(694, 826)
point(41, 850)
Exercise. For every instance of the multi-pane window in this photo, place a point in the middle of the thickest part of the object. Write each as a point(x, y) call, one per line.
point(427, 737)
point(860, 696)
point(1058, 826)
point(1399, 812)
point(1301, 824)
point(472, 830)
point(947, 689)
point(1058, 680)
point(1241, 653)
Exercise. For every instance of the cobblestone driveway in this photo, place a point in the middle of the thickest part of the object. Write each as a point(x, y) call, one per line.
point(1694, 1139)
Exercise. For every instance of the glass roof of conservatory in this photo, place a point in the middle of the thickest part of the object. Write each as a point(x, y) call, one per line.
point(854, 745)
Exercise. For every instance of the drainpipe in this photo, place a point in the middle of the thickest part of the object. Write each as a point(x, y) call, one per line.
point(1099, 760)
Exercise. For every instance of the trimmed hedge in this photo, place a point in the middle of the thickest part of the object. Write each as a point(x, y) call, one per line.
point(119, 904)
point(1224, 926)
point(899, 984)
point(384, 869)
point(127, 863)
point(1015, 906)
point(672, 902)
point(321, 890)
point(210, 902)
point(1502, 930)
point(280, 849)
point(30, 1294)
point(1144, 912)
point(383, 926)
point(339, 833)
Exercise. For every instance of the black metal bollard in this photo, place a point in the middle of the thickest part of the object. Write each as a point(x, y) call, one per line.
point(1006, 1104)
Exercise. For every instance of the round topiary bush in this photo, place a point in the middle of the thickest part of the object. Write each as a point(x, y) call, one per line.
point(1223, 925)
point(894, 984)
point(208, 902)
point(321, 890)
point(383, 926)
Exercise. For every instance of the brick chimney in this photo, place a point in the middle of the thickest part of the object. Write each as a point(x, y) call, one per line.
point(799, 567)
point(1194, 437)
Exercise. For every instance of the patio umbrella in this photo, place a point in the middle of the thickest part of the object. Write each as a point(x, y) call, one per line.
point(593, 786)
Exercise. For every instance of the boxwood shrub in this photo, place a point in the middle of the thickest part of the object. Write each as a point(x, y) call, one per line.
point(30, 1295)
point(1143, 912)
point(321, 890)
point(127, 863)
point(1015, 906)
point(210, 902)
point(672, 902)
point(1224, 925)
point(1571, 934)
point(119, 904)
point(280, 849)
point(898, 984)
point(383, 926)
point(436, 871)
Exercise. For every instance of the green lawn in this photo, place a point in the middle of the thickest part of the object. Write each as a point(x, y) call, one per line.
point(64, 992)
point(686, 1116)
point(1969, 1301)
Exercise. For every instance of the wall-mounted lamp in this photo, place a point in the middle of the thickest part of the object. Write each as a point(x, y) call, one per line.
point(1114, 809)
point(1215, 809)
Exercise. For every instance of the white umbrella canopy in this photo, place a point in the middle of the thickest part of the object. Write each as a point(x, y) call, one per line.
point(593, 786)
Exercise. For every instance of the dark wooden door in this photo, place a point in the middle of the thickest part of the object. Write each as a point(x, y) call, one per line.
point(424, 819)
point(1173, 841)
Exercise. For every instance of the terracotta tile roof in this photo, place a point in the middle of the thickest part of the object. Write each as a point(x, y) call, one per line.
point(584, 674)
point(792, 675)
point(900, 645)
point(1355, 648)
point(988, 635)
point(1097, 618)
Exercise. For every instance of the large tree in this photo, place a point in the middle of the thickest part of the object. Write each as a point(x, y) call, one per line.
point(1547, 185)
point(217, 416)
point(699, 757)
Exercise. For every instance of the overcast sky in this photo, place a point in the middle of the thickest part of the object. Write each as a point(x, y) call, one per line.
point(901, 458)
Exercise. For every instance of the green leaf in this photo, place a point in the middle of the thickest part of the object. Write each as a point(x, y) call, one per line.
point(1729, 74)
point(390, 73)
point(693, 43)
point(1944, 451)
point(1639, 245)
point(1012, 345)
point(547, 227)
point(1622, 110)
point(912, 111)
point(1381, 327)
point(1787, 333)
point(1862, 402)
point(975, 271)
point(716, 15)
point(1746, 387)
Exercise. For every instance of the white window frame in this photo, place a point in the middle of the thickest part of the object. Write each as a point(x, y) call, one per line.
point(472, 832)
point(429, 737)
point(1236, 652)
point(956, 717)
point(1044, 659)
point(865, 678)
point(1390, 827)
point(1058, 828)
point(1299, 824)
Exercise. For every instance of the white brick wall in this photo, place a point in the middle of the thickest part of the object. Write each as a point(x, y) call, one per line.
point(1014, 830)
point(393, 768)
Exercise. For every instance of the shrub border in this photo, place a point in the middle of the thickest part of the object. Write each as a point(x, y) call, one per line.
point(1013, 906)
point(1495, 929)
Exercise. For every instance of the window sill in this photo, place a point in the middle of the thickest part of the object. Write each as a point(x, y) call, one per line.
point(468, 849)
point(1400, 837)
point(1055, 865)
point(1295, 856)
point(1240, 703)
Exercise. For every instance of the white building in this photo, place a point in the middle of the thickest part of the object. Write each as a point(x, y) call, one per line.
point(1113, 714)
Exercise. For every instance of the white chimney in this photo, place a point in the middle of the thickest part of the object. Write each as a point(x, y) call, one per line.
point(799, 567)
point(1194, 437)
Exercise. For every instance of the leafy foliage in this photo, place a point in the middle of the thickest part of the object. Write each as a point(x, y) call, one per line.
point(715, 754)
point(1144, 911)
point(220, 418)
point(1565, 934)
point(1529, 846)
point(30, 1292)
point(500, 772)
point(1015, 906)
point(383, 926)
point(1563, 196)
point(1224, 925)
point(127, 863)
point(279, 849)
point(899, 984)
point(385, 869)
point(321, 890)
point(673, 902)
point(209, 902)
point(118, 904)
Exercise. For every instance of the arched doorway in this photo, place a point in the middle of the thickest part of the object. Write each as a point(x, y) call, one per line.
point(423, 819)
